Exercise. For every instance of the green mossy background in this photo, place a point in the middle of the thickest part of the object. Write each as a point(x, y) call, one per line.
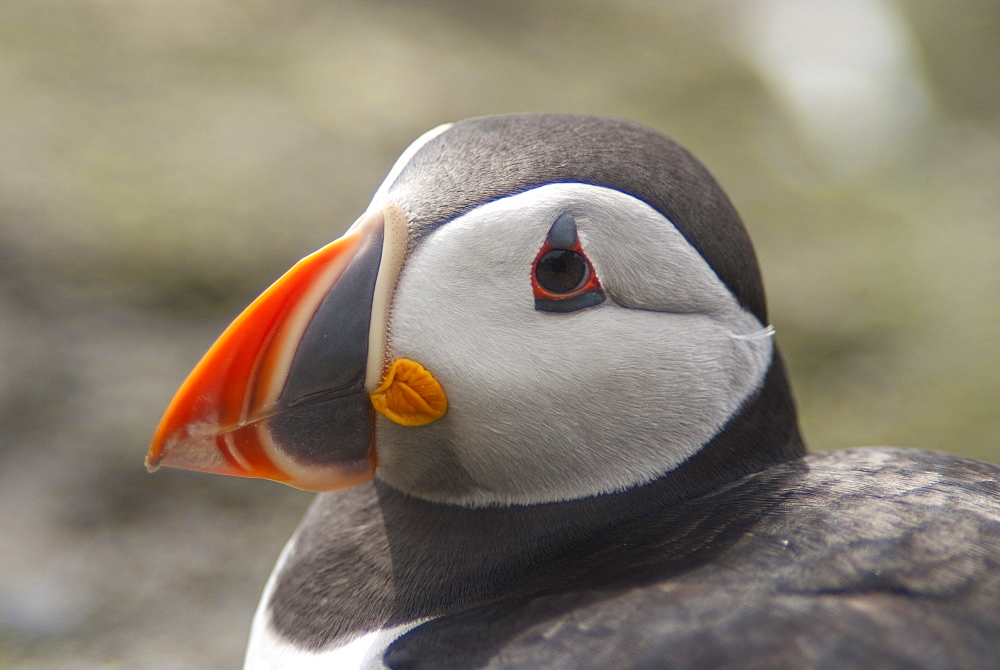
point(162, 162)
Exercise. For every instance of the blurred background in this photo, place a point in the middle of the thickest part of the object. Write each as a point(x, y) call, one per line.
point(162, 162)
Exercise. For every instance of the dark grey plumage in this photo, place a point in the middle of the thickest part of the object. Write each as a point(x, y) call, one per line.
point(865, 558)
point(862, 558)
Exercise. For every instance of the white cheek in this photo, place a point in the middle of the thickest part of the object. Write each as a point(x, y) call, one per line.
point(546, 406)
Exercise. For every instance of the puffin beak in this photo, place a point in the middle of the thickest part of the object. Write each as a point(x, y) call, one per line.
point(284, 393)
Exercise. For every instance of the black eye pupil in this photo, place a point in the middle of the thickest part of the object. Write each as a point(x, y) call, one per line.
point(561, 271)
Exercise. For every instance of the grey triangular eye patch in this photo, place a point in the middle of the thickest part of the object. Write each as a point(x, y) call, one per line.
point(562, 234)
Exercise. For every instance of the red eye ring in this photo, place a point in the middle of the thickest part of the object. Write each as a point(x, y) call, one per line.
point(551, 262)
point(562, 277)
point(562, 273)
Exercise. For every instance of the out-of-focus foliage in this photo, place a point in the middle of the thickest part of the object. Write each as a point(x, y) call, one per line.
point(162, 162)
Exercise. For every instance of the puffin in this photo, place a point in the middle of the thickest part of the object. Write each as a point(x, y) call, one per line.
point(537, 388)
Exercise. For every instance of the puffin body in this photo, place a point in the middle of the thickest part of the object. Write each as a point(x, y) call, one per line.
point(537, 379)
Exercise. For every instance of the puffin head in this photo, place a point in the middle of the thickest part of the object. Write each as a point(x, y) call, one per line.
point(534, 308)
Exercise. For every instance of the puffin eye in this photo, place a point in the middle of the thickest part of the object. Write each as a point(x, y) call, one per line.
point(561, 271)
point(563, 278)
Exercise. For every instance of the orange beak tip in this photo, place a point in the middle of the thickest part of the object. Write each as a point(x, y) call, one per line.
point(154, 455)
